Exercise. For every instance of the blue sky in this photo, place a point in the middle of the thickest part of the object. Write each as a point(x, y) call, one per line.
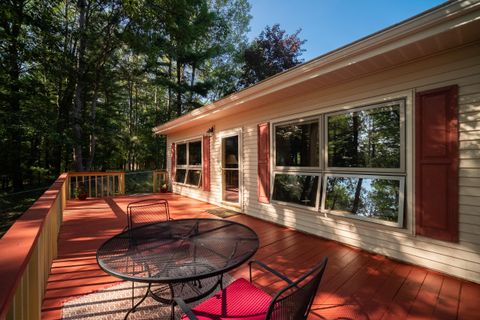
point(327, 25)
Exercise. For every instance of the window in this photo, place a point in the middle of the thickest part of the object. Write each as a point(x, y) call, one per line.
point(297, 162)
point(296, 188)
point(297, 145)
point(366, 197)
point(189, 163)
point(357, 169)
point(368, 140)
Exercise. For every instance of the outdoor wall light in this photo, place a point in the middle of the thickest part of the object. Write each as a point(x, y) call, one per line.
point(210, 131)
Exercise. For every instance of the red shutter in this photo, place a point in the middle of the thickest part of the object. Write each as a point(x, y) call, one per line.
point(263, 178)
point(436, 164)
point(173, 162)
point(206, 163)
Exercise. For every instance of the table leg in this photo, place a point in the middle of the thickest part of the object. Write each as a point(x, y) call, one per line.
point(139, 302)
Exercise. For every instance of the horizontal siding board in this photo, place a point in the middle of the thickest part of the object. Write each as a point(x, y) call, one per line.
point(470, 210)
point(470, 135)
point(469, 126)
point(470, 191)
point(470, 116)
point(469, 153)
point(469, 107)
point(470, 219)
point(470, 163)
point(470, 228)
point(469, 145)
point(469, 173)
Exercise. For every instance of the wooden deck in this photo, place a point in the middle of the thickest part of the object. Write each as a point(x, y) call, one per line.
point(356, 285)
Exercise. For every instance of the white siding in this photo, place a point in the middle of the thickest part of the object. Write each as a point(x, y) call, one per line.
point(461, 67)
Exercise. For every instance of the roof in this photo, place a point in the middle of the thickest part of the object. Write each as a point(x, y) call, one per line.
point(448, 25)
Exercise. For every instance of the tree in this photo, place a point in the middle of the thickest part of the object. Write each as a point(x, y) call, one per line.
point(82, 82)
point(272, 52)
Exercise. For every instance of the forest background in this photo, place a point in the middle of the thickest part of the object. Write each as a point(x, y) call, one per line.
point(83, 82)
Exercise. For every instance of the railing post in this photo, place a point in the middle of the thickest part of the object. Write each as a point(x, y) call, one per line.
point(122, 184)
point(154, 175)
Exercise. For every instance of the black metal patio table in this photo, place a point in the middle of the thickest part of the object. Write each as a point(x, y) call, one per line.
point(175, 253)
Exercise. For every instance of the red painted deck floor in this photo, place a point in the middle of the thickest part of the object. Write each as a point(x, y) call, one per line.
point(356, 285)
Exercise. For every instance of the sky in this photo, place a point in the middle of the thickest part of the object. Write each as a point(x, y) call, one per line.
point(330, 24)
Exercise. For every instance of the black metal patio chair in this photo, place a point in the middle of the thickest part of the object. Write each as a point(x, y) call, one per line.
point(147, 211)
point(243, 300)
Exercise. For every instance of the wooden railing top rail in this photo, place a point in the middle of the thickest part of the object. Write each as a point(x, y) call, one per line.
point(110, 173)
point(18, 243)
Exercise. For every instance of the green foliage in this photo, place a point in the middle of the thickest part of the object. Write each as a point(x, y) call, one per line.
point(83, 82)
point(272, 52)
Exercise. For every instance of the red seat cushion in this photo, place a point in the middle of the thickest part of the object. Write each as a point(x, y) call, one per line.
point(240, 300)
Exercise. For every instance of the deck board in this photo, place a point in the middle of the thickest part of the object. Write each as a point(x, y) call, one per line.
point(356, 284)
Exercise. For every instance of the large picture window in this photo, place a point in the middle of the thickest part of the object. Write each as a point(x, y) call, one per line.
point(189, 163)
point(357, 169)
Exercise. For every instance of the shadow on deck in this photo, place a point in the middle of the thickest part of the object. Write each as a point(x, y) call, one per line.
point(356, 285)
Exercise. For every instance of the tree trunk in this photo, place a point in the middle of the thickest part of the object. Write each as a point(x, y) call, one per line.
point(356, 200)
point(14, 132)
point(179, 91)
point(80, 89)
point(170, 94)
point(93, 112)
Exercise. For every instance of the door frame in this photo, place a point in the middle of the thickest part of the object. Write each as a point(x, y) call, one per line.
point(227, 134)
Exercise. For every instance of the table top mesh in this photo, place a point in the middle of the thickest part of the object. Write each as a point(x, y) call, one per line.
point(178, 250)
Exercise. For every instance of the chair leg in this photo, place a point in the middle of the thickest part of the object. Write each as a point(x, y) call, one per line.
point(133, 293)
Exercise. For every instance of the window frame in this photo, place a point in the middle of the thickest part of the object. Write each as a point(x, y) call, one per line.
point(401, 169)
point(188, 167)
point(293, 204)
point(323, 170)
point(310, 119)
point(401, 198)
point(295, 170)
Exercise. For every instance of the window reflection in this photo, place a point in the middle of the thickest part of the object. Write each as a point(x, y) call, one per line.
point(376, 198)
point(297, 145)
point(194, 177)
point(365, 139)
point(181, 154)
point(299, 189)
point(195, 153)
point(180, 175)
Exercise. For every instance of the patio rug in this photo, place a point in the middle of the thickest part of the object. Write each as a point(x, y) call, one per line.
point(222, 213)
point(114, 302)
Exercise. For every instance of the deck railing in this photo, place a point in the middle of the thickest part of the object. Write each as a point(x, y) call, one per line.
point(27, 251)
point(30, 245)
point(96, 184)
point(160, 179)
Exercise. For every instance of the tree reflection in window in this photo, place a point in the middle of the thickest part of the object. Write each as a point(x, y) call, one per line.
point(376, 198)
point(366, 138)
point(181, 154)
point(297, 145)
point(294, 188)
point(195, 153)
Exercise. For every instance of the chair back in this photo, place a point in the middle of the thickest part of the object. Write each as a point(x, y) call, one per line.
point(147, 211)
point(294, 301)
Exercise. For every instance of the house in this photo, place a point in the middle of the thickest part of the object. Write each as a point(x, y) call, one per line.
point(375, 145)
